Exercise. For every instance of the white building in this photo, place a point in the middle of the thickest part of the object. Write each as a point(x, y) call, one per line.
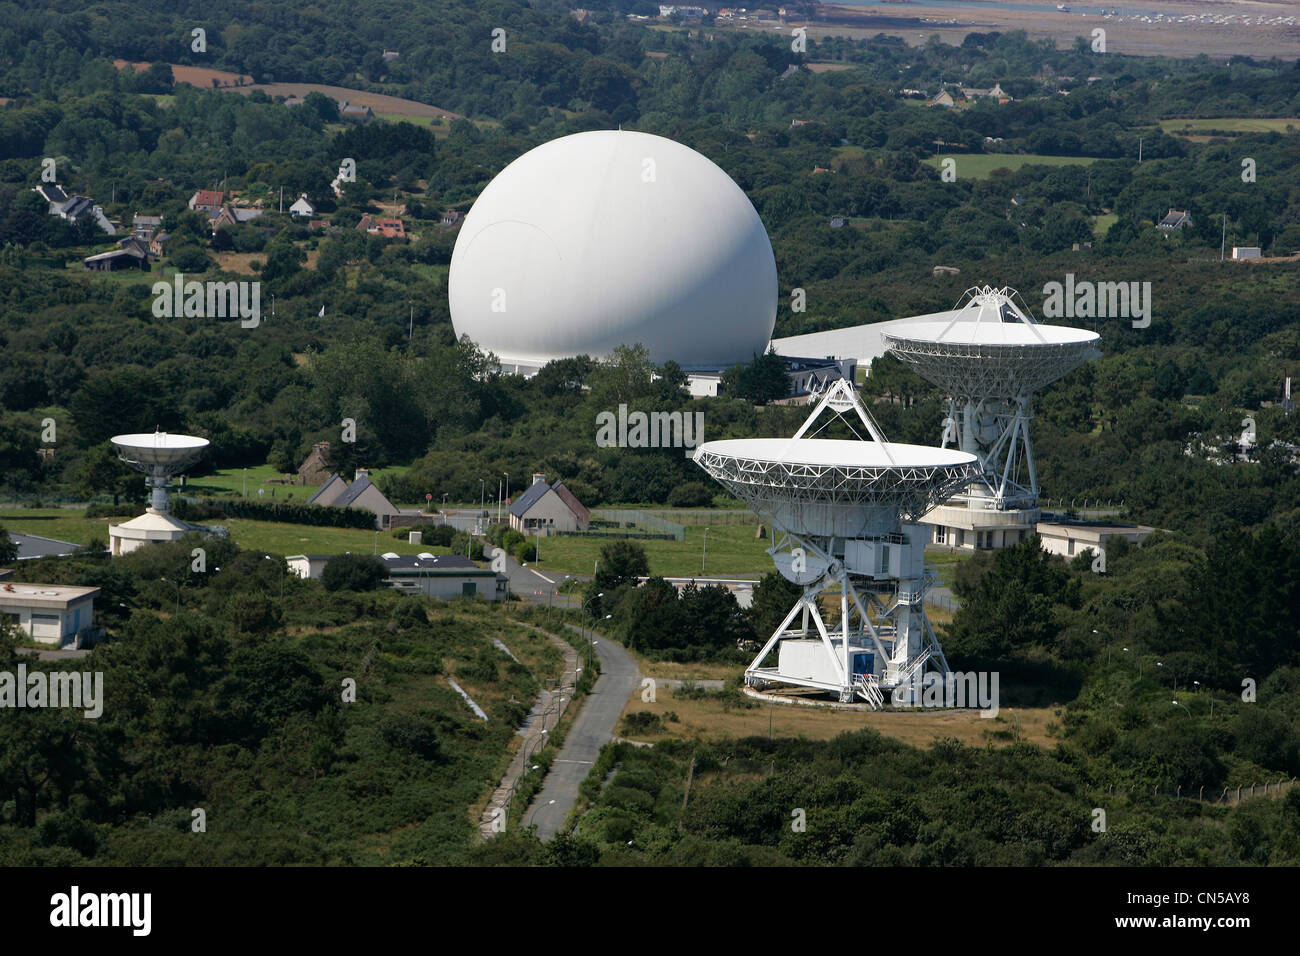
point(1245, 252)
point(1071, 538)
point(445, 576)
point(152, 527)
point(49, 613)
point(302, 207)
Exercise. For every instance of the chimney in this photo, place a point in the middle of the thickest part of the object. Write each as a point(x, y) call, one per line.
point(362, 473)
point(538, 476)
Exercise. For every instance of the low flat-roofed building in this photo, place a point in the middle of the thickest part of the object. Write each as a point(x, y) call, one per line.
point(49, 613)
point(1069, 538)
point(308, 565)
point(444, 576)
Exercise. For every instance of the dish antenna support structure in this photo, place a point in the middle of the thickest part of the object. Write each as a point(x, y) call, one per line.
point(846, 510)
point(990, 358)
point(159, 457)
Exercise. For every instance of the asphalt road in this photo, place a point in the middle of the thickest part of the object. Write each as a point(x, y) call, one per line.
point(593, 728)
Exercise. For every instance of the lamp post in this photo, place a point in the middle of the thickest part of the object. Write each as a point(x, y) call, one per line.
point(705, 553)
point(584, 622)
point(178, 594)
point(498, 501)
point(1183, 706)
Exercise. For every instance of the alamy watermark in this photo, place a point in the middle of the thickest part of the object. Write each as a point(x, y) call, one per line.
point(209, 300)
point(649, 429)
point(82, 691)
point(972, 689)
point(1098, 300)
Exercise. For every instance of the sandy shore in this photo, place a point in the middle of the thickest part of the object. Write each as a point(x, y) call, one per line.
point(1125, 33)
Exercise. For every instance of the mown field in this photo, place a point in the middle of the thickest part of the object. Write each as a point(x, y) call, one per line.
point(1233, 124)
point(272, 537)
point(732, 551)
point(980, 165)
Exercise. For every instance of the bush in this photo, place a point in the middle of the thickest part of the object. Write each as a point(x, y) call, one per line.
point(354, 572)
point(693, 494)
point(300, 514)
point(435, 534)
point(524, 551)
point(126, 509)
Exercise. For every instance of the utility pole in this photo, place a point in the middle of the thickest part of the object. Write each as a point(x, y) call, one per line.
point(1139, 150)
point(1223, 236)
point(410, 332)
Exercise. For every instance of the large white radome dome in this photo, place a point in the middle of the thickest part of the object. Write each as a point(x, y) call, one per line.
point(609, 238)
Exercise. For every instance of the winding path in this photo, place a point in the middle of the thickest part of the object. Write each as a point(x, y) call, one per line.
point(593, 728)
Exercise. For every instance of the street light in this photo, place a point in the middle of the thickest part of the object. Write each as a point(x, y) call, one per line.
point(178, 594)
point(1183, 706)
point(584, 623)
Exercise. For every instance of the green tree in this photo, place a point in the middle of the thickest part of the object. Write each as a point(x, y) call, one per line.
point(354, 572)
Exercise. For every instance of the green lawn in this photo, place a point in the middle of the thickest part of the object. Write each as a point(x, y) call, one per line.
point(733, 551)
point(270, 536)
point(1102, 223)
point(248, 481)
point(1233, 124)
point(979, 165)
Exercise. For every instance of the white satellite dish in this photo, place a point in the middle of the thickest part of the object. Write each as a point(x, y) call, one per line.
point(160, 457)
point(845, 509)
point(990, 366)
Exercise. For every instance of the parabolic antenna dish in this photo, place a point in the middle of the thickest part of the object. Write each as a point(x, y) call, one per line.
point(835, 487)
point(159, 453)
point(991, 359)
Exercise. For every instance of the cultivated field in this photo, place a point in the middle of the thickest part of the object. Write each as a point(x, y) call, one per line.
point(389, 107)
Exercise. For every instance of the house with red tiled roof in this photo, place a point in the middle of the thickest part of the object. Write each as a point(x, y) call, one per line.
point(207, 200)
point(384, 228)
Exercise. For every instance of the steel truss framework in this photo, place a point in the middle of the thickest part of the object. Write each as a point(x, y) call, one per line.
point(847, 502)
point(990, 388)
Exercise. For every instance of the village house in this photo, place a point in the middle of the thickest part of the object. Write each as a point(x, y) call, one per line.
point(384, 228)
point(207, 200)
point(545, 509)
point(362, 493)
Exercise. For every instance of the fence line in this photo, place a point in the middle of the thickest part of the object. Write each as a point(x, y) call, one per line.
point(698, 517)
point(630, 517)
point(1227, 796)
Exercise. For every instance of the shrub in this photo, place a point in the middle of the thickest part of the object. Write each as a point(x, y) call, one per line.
point(354, 572)
point(692, 494)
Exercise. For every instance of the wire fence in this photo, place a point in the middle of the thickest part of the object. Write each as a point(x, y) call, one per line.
point(1226, 796)
point(709, 517)
point(631, 519)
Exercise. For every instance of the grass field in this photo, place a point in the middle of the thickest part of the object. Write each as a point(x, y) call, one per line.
point(980, 165)
point(270, 536)
point(711, 717)
point(1233, 124)
point(249, 481)
point(1102, 223)
point(733, 551)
